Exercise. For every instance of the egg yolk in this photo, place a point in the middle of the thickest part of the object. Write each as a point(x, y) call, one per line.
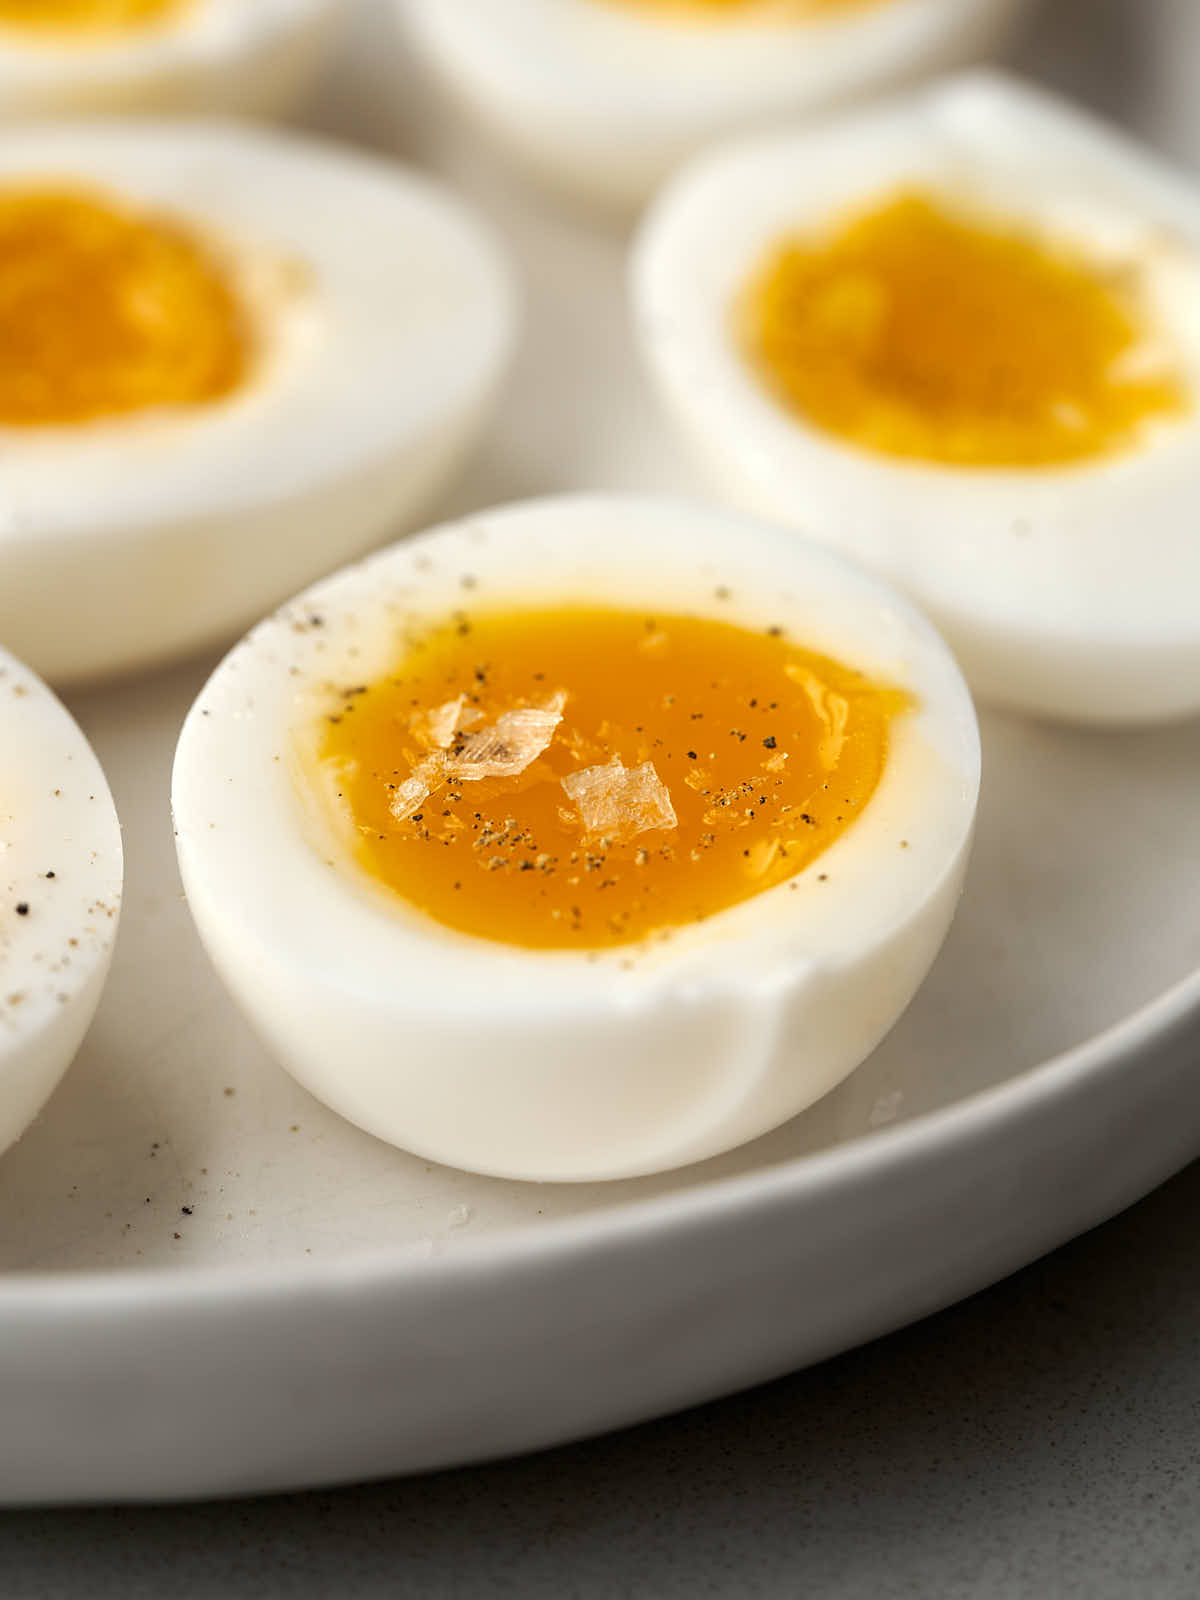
point(84, 16)
point(918, 332)
point(777, 10)
point(579, 778)
point(105, 310)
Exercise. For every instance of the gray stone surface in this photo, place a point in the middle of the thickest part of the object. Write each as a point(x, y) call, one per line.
point(1041, 1440)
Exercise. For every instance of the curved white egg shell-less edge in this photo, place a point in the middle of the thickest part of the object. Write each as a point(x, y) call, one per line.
point(562, 1065)
point(604, 99)
point(57, 818)
point(1069, 592)
point(211, 55)
point(125, 541)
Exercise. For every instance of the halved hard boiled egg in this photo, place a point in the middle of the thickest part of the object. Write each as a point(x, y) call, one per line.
point(580, 839)
point(60, 892)
point(607, 96)
point(64, 57)
point(232, 359)
point(957, 337)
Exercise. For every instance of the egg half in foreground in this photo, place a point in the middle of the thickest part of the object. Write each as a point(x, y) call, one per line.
point(605, 97)
point(957, 338)
point(580, 839)
point(233, 359)
point(67, 57)
point(60, 892)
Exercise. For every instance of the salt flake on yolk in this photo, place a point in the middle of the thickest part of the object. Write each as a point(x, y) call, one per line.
point(618, 803)
point(503, 750)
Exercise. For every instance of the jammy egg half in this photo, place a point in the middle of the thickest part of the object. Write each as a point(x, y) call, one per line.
point(957, 337)
point(580, 839)
point(605, 97)
point(66, 57)
point(233, 358)
point(60, 892)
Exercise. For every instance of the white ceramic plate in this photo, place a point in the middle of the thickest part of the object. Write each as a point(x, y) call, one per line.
point(210, 1284)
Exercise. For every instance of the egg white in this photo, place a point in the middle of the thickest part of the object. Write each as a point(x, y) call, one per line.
point(60, 859)
point(565, 1065)
point(606, 100)
point(1068, 592)
point(211, 55)
point(389, 318)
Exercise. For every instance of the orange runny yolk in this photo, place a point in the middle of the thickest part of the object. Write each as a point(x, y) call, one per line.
point(776, 10)
point(920, 332)
point(106, 310)
point(652, 770)
point(84, 16)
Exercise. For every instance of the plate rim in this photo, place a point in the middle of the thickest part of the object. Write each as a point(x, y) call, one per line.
point(985, 1113)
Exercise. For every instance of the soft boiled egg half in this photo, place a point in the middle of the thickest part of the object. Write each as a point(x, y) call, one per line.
point(71, 56)
point(958, 337)
point(605, 97)
point(60, 892)
point(232, 359)
point(580, 839)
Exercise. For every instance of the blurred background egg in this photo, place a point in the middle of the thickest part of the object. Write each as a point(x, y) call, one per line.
point(580, 839)
point(60, 892)
point(957, 337)
point(233, 359)
point(605, 97)
point(65, 57)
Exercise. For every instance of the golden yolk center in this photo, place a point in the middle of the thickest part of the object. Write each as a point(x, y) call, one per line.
point(84, 16)
point(579, 778)
point(917, 332)
point(105, 310)
point(773, 10)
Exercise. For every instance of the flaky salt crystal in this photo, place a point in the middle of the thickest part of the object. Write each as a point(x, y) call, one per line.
point(503, 750)
point(436, 729)
point(618, 802)
point(412, 794)
point(829, 751)
point(509, 745)
point(833, 709)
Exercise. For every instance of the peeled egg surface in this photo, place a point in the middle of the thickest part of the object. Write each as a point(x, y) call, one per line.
point(344, 325)
point(1066, 585)
point(60, 892)
point(605, 97)
point(559, 1063)
point(72, 57)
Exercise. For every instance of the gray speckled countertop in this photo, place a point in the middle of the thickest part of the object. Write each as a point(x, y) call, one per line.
point(1041, 1440)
